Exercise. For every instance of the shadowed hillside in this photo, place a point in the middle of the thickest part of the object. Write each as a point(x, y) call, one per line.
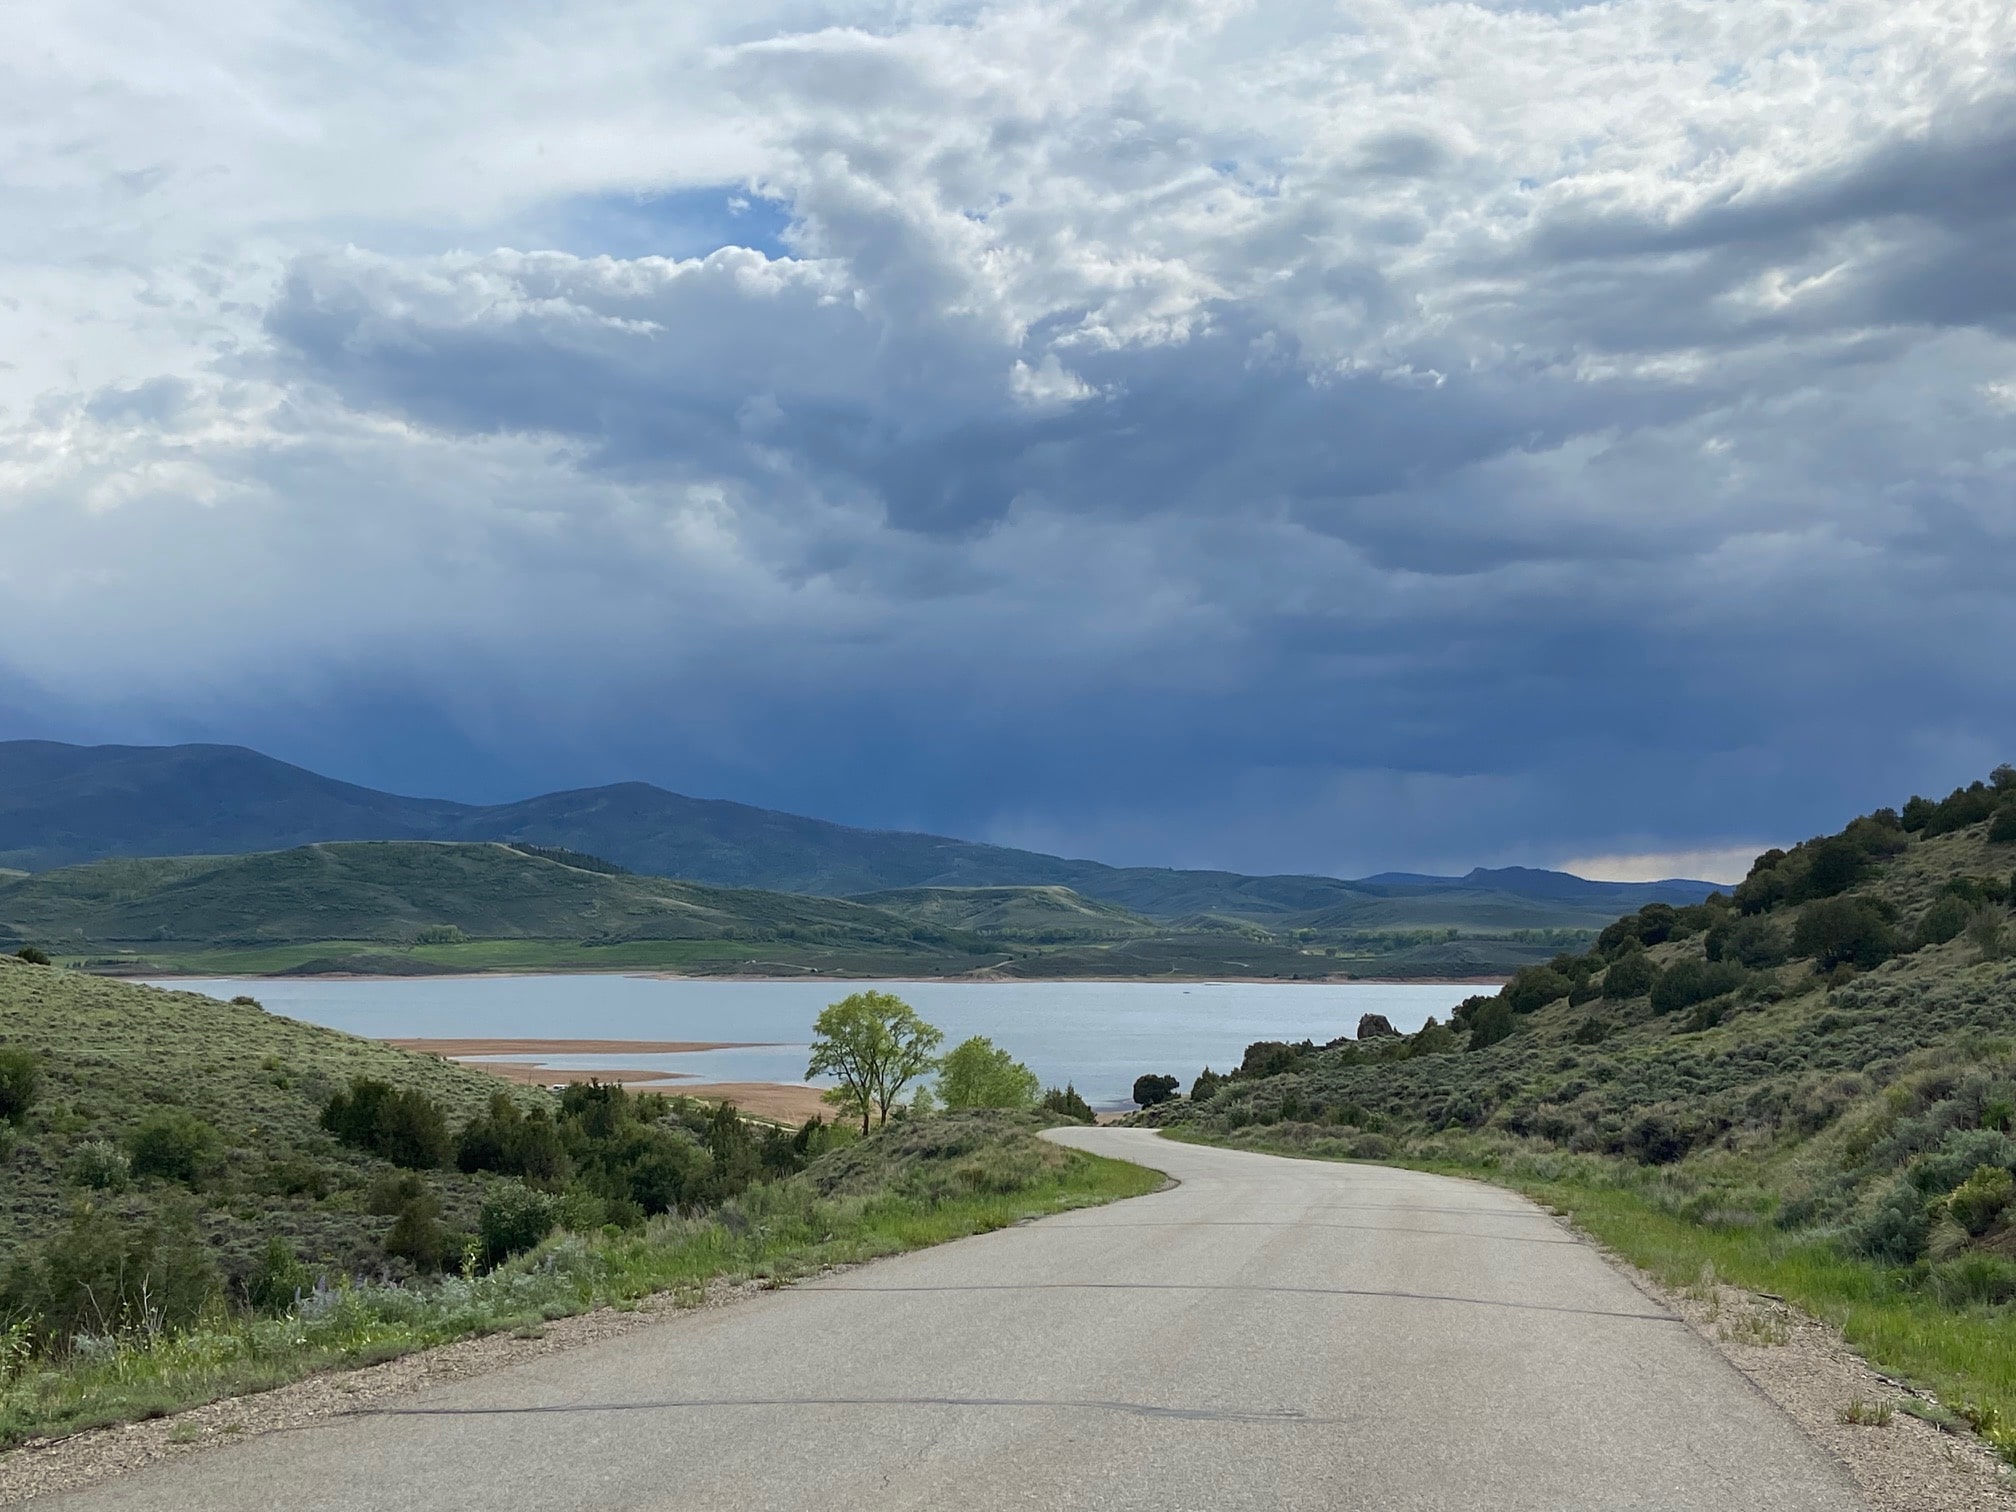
point(62, 805)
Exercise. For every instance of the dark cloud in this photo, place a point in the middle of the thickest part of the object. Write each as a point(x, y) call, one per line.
point(1142, 433)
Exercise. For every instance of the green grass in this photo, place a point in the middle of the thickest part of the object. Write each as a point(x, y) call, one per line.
point(113, 1052)
point(916, 1185)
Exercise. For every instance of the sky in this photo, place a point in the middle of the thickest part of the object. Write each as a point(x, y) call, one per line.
point(1285, 437)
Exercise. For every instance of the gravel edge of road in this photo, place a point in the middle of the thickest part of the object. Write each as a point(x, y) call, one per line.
point(83, 1459)
point(1805, 1368)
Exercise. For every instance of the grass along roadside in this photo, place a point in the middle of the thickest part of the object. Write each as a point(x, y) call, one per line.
point(1964, 1356)
point(916, 1184)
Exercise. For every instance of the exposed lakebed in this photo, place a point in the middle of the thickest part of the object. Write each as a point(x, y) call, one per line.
point(1098, 1035)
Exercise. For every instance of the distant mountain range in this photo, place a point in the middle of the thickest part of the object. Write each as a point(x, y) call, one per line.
point(61, 805)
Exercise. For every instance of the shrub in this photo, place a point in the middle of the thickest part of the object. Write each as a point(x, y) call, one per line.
point(1844, 932)
point(1151, 1089)
point(32, 956)
point(173, 1144)
point(1944, 920)
point(277, 1280)
point(246, 1000)
point(417, 1236)
point(1833, 866)
point(100, 1165)
point(1591, 1031)
point(978, 1074)
point(1069, 1104)
point(1629, 976)
point(1491, 1022)
point(511, 1142)
point(1201, 1090)
point(106, 1277)
point(20, 1083)
point(1534, 988)
point(2002, 824)
point(1375, 1026)
point(1985, 929)
point(1751, 941)
point(1272, 1057)
point(1897, 1229)
point(1657, 1139)
point(1685, 983)
point(1432, 1039)
point(1981, 1199)
point(1587, 990)
point(515, 1218)
point(405, 1128)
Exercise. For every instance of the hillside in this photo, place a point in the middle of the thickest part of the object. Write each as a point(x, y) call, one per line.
point(109, 1055)
point(1812, 1081)
point(1039, 915)
point(438, 903)
point(199, 1200)
point(63, 805)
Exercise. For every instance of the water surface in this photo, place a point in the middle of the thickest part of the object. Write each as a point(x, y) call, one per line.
point(1097, 1035)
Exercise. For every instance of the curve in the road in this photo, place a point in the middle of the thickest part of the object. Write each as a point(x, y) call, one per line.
point(1218, 1344)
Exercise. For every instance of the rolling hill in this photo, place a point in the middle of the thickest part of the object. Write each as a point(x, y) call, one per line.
point(1807, 1088)
point(61, 805)
point(440, 894)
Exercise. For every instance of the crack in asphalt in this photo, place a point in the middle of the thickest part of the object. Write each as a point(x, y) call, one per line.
point(1282, 1415)
point(1298, 1291)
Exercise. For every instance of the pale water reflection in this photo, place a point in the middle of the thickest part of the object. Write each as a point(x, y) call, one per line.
point(1099, 1035)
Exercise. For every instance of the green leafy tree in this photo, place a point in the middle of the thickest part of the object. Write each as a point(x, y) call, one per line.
point(875, 1045)
point(1844, 932)
point(1152, 1089)
point(979, 1074)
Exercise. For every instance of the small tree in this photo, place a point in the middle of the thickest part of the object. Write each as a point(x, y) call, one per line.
point(1629, 976)
point(1069, 1104)
point(1151, 1089)
point(876, 1045)
point(978, 1074)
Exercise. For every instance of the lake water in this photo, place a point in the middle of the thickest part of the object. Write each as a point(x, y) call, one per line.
point(1098, 1035)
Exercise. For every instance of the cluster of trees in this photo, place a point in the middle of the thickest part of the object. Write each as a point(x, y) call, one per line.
point(874, 1045)
point(1994, 800)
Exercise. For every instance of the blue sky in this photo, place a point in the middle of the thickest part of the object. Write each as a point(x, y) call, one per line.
point(1409, 436)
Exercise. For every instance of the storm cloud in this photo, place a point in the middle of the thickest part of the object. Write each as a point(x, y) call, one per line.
point(1416, 435)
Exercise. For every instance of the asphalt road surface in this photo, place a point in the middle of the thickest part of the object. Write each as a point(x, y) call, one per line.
point(1268, 1334)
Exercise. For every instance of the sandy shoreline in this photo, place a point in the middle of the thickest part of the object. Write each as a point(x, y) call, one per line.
point(457, 1049)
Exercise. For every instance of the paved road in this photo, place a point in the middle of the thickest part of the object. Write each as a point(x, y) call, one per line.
point(1268, 1334)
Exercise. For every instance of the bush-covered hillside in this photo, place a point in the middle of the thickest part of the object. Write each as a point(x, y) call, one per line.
point(1831, 1050)
point(225, 1158)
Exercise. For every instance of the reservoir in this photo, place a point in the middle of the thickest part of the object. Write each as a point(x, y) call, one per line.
point(1096, 1035)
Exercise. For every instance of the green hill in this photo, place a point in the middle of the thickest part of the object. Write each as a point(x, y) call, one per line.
point(1810, 1085)
point(110, 1054)
point(396, 892)
point(62, 805)
point(411, 907)
point(1040, 915)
